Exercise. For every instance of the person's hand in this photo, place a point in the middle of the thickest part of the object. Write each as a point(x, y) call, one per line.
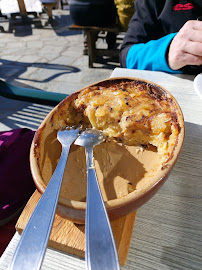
point(186, 46)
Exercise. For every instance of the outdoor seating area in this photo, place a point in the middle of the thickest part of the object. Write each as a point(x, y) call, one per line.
point(94, 33)
point(45, 59)
point(34, 18)
point(28, 12)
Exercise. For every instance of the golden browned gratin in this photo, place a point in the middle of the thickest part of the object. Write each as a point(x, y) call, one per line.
point(145, 132)
point(131, 112)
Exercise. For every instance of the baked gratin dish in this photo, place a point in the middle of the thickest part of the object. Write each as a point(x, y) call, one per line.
point(144, 128)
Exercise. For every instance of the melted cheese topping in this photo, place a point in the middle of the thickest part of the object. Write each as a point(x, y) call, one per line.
point(135, 113)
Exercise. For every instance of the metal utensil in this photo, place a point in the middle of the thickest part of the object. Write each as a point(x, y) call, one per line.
point(100, 247)
point(32, 245)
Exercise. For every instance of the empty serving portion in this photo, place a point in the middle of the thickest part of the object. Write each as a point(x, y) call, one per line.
point(144, 127)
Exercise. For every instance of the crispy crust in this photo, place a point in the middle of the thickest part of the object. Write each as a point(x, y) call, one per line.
point(130, 111)
point(61, 116)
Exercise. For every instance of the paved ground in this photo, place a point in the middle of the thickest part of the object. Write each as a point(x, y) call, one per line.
point(49, 58)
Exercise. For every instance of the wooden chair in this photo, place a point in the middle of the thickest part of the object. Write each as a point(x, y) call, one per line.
point(49, 4)
point(92, 32)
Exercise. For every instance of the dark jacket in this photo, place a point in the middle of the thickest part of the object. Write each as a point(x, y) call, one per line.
point(154, 19)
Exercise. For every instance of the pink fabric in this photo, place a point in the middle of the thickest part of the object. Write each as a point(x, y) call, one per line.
point(16, 183)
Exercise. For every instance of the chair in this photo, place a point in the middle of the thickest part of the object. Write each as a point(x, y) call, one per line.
point(49, 4)
point(64, 3)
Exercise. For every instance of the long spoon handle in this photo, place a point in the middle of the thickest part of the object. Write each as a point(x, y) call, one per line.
point(32, 245)
point(101, 253)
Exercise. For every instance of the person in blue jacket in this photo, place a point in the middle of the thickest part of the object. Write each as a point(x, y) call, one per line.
point(164, 35)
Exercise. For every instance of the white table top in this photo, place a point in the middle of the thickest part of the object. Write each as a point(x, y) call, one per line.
point(168, 231)
point(12, 6)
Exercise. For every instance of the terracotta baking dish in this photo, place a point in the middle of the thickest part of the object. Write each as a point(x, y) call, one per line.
point(128, 175)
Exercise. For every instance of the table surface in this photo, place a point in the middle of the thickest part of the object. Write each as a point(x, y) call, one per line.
point(167, 233)
point(22, 6)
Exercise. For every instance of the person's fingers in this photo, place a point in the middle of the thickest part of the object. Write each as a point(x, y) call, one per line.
point(186, 47)
point(195, 35)
point(180, 58)
point(190, 59)
point(192, 24)
point(190, 32)
point(194, 48)
point(196, 24)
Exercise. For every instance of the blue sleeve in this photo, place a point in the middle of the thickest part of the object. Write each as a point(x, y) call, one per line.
point(150, 55)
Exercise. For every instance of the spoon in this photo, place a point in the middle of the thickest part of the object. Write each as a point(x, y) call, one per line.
point(32, 245)
point(100, 248)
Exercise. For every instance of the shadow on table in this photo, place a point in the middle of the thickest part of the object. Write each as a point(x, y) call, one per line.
point(187, 253)
point(167, 231)
point(19, 114)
